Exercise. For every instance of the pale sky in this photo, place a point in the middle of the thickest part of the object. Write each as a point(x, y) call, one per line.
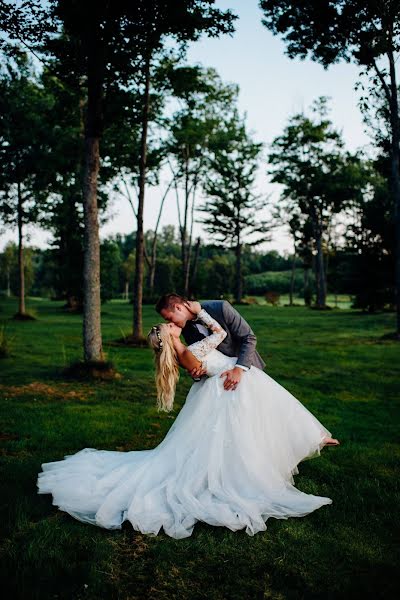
point(272, 88)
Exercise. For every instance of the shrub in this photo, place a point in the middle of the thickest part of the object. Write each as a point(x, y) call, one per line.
point(272, 298)
point(276, 281)
point(249, 300)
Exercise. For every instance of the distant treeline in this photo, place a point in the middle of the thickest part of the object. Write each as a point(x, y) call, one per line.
point(49, 273)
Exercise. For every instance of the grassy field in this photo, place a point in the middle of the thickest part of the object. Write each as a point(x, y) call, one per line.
point(335, 362)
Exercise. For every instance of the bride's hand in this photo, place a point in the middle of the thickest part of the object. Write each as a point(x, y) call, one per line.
point(198, 371)
point(193, 306)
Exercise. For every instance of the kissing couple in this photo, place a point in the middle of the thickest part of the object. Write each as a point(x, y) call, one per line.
point(229, 458)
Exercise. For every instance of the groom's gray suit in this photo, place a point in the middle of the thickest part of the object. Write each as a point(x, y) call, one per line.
point(240, 340)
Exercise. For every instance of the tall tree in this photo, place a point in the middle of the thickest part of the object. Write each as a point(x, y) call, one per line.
point(109, 42)
point(63, 215)
point(162, 20)
point(318, 176)
point(364, 31)
point(205, 103)
point(370, 242)
point(294, 222)
point(232, 206)
point(25, 148)
point(126, 157)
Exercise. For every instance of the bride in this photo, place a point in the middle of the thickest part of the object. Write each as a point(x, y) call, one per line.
point(228, 459)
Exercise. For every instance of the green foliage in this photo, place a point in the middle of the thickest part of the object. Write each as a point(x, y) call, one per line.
point(330, 31)
point(218, 277)
point(25, 143)
point(278, 281)
point(215, 273)
point(231, 209)
point(367, 33)
point(195, 131)
point(168, 275)
point(9, 272)
point(371, 236)
point(110, 268)
point(319, 178)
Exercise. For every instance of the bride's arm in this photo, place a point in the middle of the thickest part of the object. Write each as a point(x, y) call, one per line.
point(210, 322)
point(201, 348)
point(188, 361)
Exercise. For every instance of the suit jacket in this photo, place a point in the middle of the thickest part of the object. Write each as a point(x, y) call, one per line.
point(240, 340)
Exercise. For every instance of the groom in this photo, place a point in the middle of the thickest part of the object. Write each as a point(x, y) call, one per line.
point(240, 340)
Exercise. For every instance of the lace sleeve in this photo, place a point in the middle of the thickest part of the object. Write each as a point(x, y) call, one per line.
point(201, 348)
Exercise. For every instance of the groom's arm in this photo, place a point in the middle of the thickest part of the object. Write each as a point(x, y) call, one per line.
point(240, 330)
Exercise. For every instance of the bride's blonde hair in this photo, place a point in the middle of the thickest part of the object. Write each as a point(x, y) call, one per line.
point(166, 365)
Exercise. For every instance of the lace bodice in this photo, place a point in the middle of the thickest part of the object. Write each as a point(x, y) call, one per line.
point(201, 348)
point(205, 350)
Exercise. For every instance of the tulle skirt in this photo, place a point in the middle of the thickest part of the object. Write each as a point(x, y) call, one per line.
point(228, 460)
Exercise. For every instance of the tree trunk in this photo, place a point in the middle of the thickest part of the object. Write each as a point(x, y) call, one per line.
point(139, 259)
point(187, 270)
point(186, 274)
point(395, 164)
point(152, 265)
point(190, 241)
point(306, 291)
point(126, 290)
point(91, 263)
point(326, 272)
point(195, 266)
point(321, 289)
point(292, 274)
point(184, 233)
point(239, 285)
point(152, 271)
point(8, 282)
point(21, 266)
point(319, 263)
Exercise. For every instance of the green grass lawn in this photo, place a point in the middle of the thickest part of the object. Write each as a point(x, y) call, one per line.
point(334, 362)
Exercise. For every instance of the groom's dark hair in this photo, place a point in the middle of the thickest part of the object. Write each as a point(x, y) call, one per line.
point(168, 301)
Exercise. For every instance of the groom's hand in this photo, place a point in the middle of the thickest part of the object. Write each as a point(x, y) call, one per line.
point(233, 377)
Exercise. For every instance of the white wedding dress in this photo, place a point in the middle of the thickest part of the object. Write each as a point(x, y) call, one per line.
point(227, 460)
